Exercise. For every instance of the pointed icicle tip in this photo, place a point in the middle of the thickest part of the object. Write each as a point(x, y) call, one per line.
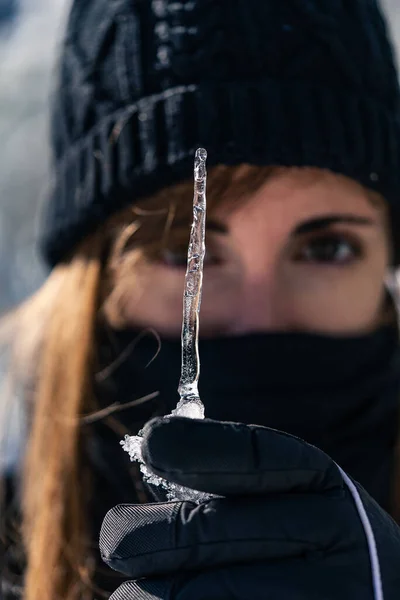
point(201, 154)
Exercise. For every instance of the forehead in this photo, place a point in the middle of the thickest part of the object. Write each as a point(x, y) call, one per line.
point(302, 192)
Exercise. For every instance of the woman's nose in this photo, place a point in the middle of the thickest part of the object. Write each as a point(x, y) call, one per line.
point(261, 308)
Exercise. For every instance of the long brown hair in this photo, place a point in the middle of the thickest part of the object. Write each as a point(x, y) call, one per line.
point(63, 316)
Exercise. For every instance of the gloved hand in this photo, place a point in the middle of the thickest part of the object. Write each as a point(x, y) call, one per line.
point(287, 527)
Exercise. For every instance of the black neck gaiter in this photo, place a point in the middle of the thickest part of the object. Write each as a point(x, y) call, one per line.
point(340, 394)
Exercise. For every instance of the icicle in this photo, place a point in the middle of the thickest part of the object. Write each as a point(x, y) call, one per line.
point(189, 404)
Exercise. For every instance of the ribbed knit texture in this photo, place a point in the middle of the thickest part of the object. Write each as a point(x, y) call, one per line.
point(143, 83)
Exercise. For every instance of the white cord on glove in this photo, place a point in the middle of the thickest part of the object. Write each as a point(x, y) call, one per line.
point(373, 551)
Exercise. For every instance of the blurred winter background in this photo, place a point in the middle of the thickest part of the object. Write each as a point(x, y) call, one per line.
point(29, 33)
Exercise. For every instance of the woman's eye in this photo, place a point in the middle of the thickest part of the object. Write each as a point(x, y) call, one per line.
point(178, 258)
point(333, 249)
point(173, 258)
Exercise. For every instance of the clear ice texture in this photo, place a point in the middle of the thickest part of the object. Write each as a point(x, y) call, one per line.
point(190, 404)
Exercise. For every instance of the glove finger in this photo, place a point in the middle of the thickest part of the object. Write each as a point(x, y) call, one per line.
point(176, 537)
point(232, 458)
point(269, 581)
point(146, 589)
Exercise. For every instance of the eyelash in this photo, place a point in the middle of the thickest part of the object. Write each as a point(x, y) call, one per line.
point(178, 258)
point(175, 256)
point(354, 246)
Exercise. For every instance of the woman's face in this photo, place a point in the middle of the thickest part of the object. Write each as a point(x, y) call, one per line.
point(307, 252)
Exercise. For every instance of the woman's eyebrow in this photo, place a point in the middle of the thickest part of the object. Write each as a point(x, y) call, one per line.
point(323, 222)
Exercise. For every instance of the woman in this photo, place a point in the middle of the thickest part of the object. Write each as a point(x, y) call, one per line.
point(297, 104)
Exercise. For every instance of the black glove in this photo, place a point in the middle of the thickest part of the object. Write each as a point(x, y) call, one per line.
point(287, 527)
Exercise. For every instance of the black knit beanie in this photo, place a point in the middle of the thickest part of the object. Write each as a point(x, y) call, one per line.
point(143, 83)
